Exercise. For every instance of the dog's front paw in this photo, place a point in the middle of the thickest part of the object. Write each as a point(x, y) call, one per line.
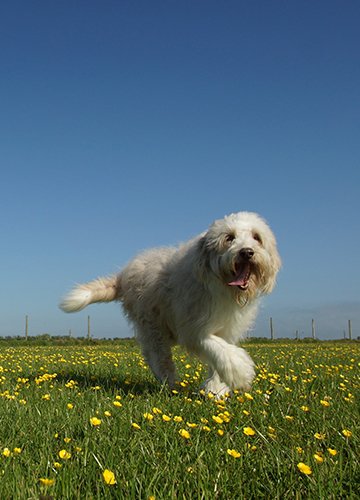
point(216, 387)
point(238, 371)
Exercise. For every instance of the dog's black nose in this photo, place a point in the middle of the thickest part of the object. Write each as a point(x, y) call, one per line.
point(246, 253)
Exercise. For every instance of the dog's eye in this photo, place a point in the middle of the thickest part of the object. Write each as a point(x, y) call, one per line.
point(257, 238)
point(229, 238)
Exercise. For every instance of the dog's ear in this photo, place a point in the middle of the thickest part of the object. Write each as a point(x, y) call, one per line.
point(273, 269)
point(202, 259)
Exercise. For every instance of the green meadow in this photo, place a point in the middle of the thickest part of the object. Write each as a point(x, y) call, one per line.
point(90, 422)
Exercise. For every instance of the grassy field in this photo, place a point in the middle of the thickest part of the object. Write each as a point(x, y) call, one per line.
point(90, 423)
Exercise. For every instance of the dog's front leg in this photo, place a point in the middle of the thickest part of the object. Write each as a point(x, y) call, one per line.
point(233, 364)
point(157, 353)
point(214, 385)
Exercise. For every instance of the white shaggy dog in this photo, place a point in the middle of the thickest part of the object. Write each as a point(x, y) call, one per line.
point(202, 295)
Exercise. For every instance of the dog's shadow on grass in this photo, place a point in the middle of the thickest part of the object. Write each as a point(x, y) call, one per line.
point(115, 385)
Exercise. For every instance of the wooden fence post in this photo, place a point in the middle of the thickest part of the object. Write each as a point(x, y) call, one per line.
point(313, 328)
point(271, 329)
point(297, 334)
point(350, 332)
point(70, 336)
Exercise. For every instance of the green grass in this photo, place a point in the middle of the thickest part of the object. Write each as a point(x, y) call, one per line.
point(304, 397)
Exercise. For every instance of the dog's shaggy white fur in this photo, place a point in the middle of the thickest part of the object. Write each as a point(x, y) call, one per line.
point(202, 295)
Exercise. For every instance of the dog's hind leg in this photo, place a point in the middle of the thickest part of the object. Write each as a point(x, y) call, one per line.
point(157, 353)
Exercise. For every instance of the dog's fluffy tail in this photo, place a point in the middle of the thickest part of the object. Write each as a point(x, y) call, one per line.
point(100, 290)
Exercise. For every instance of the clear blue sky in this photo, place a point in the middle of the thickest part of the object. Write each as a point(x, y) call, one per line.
point(130, 124)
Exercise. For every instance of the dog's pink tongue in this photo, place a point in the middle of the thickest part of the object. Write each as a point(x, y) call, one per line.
point(240, 279)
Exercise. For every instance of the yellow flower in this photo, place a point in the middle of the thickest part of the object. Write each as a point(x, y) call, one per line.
point(6, 452)
point(67, 440)
point(246, 412)
point(70, 406)
point(57, 465)
point(206, 428)
point(347, 433)
point(220, 432)
point(248, 396)
point(17, 450)
point(65, 455)
point(192, 426)
point(119, 397)
point(318, 458)
point(319, 436)
point(148, 416)
point(109, 477)
point(289, 418)
point(325, 403)
point(178, 419)
point(249, 431)
point(332, 452)
point(305, 408)
point(216, 419)
point(117, 403)
point(183, 433)
point(166, 418)
point(233, 453)
point(240, 399)
point(299, 449)
point(47, 482)
point(95, 421)
point(136, 426)
point(156, 410)
point(305, 469)
point(46, 396)
point(107, 414)
point(224, 417)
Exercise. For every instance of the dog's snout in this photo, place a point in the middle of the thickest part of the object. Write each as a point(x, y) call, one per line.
point(246, 253)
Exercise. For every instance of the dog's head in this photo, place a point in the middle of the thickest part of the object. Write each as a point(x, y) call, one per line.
point(240, 250)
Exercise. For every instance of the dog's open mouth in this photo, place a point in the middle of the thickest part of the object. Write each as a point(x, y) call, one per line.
point(241, 275)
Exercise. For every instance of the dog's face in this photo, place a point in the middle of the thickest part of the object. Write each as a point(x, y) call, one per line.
point(241, 251)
